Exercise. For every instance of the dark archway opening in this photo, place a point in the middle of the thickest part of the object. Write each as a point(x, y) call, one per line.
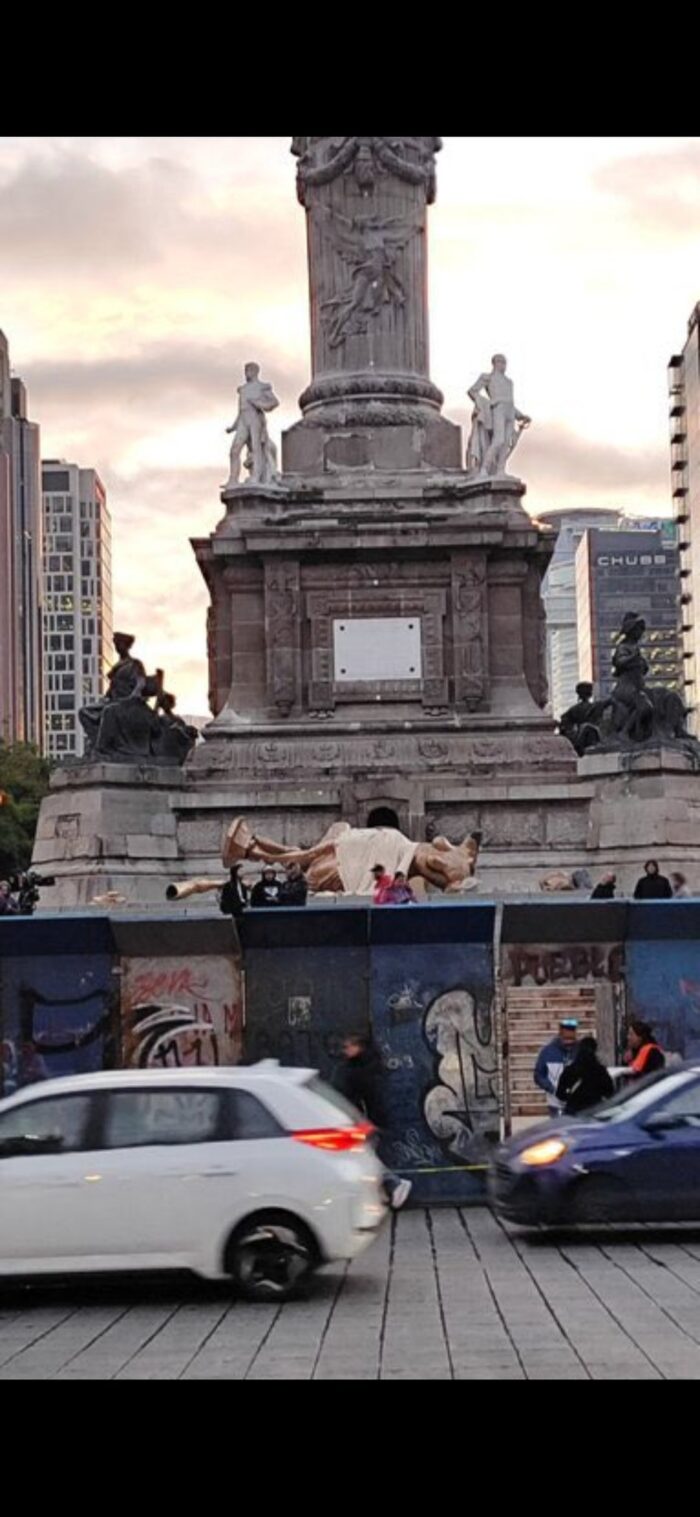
point(383, 816)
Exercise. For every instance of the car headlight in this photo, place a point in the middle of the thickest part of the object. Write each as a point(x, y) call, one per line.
point(546, 1152)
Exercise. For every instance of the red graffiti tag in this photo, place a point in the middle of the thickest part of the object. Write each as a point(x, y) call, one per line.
point(164, 984)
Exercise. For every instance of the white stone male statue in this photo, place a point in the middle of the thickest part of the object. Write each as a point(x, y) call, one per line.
point(496, 421)
point(255, 397)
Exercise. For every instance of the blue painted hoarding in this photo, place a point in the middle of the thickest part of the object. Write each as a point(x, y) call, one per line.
point(431, 1012)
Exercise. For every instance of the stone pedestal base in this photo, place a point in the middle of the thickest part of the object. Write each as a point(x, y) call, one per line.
point(108, 827)
point(430, 442)
point(643, 805)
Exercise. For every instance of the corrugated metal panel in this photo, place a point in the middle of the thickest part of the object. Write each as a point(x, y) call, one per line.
point(564, 921)
point(660, 920)
point(444, 923)
point(22, 937)
point(303, 927)
point(140, 938)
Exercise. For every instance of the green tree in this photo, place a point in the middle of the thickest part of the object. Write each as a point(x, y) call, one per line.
point(24, 781)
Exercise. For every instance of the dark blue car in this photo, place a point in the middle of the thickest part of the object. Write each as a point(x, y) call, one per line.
point(634, 1158)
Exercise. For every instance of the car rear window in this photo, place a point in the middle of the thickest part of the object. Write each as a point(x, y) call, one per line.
point(333, 1097)
point(248, 1117)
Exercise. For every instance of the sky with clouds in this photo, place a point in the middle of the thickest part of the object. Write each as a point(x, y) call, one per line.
point(138, 274)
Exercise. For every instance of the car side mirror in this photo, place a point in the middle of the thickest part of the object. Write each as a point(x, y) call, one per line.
point(661, 1121)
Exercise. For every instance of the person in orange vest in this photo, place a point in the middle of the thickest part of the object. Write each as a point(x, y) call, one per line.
point(644, 1056)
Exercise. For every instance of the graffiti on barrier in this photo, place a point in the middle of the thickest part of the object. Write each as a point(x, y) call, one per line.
point(404, 1003)
point(181, 1014)
point(548, 963)
point(51, 1035)
point(461, 1110)
point(299, 1011)
point(172, 1037)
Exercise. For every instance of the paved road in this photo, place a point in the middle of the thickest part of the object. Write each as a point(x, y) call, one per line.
point(444, 1295)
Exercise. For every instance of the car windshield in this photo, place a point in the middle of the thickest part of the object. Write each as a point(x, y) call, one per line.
point(628, 1103)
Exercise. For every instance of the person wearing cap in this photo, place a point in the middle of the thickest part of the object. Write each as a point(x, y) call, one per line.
point(267, 890)
point(553, 1059)
point(382, 885)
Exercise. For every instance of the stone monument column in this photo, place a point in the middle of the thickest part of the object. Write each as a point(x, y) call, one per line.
point(371, 403)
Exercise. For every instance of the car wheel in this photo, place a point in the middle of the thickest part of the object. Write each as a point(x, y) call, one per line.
point(271, 1257)
point(598, 1199)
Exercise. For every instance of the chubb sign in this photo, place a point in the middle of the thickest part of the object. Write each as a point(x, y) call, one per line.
point(629, 560)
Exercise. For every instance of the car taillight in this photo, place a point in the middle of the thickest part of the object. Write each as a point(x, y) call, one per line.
point(335, 1140)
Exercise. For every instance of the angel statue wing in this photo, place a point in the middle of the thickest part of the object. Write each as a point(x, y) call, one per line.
point(354, 237)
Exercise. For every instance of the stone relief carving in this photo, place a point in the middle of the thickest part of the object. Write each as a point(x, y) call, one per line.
point(469, 620)
point(327, 753)
point(383, 751)
point(466, 754)
point(272, 754)
point(369, 246)
point(283, 618)
point(432, 750)
point(409, 158)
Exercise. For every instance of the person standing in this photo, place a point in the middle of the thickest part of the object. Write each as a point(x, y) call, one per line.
point(359, 1077)
point(8, 906)
point(552, 1060)
point(267, 890)
point(652, 885)
point(644, 1055)
point(234, 896)
point(382, 885)
point(680, 887)
point(294, 889)
point(605, 889)
point(400, 893)
point(585, 1081)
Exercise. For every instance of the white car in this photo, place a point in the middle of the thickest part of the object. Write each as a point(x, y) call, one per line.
point(257, 1174)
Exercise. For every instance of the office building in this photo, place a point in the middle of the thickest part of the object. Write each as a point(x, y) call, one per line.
point(684, 408)
point(21, 694)
point(559, 597)
point(631, 570)
point(77, 600)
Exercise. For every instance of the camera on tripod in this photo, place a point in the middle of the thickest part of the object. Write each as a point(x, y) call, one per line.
point(25, 886)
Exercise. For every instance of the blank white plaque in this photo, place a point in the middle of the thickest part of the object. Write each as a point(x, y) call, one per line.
point(377, 648)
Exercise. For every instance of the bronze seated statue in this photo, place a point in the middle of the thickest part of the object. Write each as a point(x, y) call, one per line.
point(635, 714)
point(123, 726)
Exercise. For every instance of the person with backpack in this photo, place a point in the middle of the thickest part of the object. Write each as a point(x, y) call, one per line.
point(234, 896)
point(359, 1077)
point(584, 1082)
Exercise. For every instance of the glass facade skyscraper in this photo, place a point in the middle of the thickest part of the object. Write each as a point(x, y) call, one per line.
point(21, 689)
point(684, 419)
point(77, 600)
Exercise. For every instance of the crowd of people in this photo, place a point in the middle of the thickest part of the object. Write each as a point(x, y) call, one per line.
point(270, 890)
point(652, 885)
point(291, 889)
point(573, 1077)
